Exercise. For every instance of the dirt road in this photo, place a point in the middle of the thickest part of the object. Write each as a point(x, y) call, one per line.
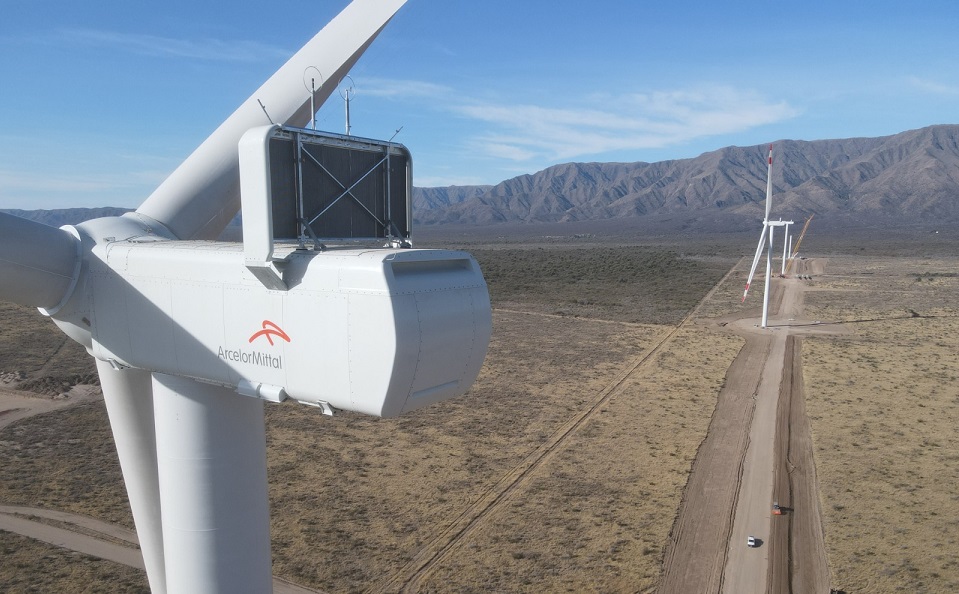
point(746, 567)
point(16, 405)
point(797, 532)
point(92, 537)
point(73, 531)
point(411, 577)
point(696, 553)
point(758, 450)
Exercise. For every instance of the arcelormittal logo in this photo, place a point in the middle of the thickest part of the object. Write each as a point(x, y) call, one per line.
point(269, 331)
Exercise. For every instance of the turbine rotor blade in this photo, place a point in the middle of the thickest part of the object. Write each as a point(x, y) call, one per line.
point(128, 395)
point(202, 195)
point(756, 258)
point(39, 264)
point(769, 183)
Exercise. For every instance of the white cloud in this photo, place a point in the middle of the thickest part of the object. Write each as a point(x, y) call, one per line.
point(508, 148)
point(153, 45)
point(933, 87)
point(32, 189)
point(445, 181)
point(400, 89)
point(624, 122)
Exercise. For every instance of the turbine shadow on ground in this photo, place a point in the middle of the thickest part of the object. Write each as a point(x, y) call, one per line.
point(863, 321)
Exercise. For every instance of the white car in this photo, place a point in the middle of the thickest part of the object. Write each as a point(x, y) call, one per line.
point(751, 542)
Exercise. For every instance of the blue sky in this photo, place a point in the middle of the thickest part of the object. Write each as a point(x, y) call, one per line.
point(99, 101)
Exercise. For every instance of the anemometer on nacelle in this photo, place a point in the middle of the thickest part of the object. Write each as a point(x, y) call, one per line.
point(377, 330)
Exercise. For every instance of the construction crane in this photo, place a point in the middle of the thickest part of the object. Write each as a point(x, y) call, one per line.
point(798, 243)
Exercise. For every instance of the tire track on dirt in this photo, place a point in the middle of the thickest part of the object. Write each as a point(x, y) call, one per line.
point(731, 517)
point(801, 564)
point(423, 563)
point(779, 576)
point(51, 362)
point(697, 549)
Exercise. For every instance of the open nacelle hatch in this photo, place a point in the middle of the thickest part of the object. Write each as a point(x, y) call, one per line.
point(305, 186)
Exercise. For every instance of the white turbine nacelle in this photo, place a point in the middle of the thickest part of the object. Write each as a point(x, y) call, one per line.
point(379, 331)
point(192, 336)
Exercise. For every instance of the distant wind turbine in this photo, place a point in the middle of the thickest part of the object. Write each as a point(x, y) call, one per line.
point(768, 227)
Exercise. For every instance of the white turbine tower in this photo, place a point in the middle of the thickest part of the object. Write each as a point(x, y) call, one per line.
point(189, 341)
point(768, 227)
point(787, 240)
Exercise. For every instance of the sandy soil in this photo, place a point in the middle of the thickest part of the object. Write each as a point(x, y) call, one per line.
point(70, 531)
point(883, 403)
point(797, 532)
point(595, 455)
point(16, 404)
point(747, 453)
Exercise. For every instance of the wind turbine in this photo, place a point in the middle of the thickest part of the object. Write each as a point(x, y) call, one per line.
point(190, 338)
point(768, 228)
point(792, 253)
point(786, 241)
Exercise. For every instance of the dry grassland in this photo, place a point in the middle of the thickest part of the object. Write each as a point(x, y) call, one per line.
point(43, 355)
point(597, 515)
point(64, 461)
point(354, 498)
point(884, 405)
point(63, 571)
point(727, 300)
point(638, 284)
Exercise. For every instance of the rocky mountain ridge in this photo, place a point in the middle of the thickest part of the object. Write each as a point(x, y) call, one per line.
point(912, 175)
point(908, 177)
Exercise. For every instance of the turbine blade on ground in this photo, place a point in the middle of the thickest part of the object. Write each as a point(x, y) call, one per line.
point(202, 195)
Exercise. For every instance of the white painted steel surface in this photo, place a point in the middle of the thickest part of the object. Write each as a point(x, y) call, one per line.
point(211, 455)
point(769, 264)
point(254, 159)
point(767, 228)
point(128, 396)
point(756, 258)
point(762, 236)
point(786, 240)
point(257, 205)
point(38, 263)
point(769, 183)
point(379, 331)
point(375, 331)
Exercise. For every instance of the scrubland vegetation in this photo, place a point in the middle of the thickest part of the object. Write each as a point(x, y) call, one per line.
point(354, 499)
point(883, 402)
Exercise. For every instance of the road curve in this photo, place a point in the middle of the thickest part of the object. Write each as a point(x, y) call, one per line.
point(114, 543)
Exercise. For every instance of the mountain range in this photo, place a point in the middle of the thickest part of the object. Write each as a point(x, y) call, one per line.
point(904, 178)
point(911, 176)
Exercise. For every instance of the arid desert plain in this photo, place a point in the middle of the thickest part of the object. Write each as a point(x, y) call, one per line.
point(632, 425)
